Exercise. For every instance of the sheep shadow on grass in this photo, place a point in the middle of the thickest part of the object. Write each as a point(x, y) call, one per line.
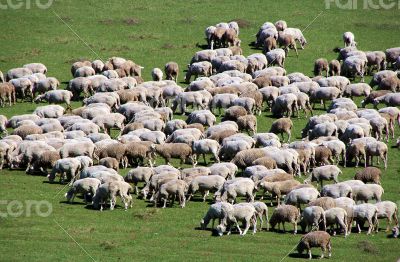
point(304, 255)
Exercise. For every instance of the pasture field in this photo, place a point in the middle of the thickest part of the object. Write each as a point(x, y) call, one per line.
point(152, 33)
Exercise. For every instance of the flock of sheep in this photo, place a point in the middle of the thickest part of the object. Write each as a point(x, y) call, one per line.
point(70, 142)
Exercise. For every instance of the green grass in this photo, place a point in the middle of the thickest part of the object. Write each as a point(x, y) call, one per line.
point(152, 33)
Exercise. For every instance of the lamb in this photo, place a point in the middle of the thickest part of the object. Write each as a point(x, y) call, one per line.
point(205, 146)
point(240, 187)
point(315, 239)
point(324, 202)
point(244, 212)
point(278, 188)
point(301, 196)
point(248, 123)
point(171, 190)
point(285, 213)
point(312, 216)
point(328, 172)
point(156, 74)
point(204, 184)
point(348, 39)
point(369, 174)
point(364, 212)
point(367, 192)
point(281, 126)
point(388, 210)
point(86, 186)
point(175, 150)
point(334, 68)
point(110, 191)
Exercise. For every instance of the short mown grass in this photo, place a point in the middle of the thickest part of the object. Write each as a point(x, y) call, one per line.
point(152, 33)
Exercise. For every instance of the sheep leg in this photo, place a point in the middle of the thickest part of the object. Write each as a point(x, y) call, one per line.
point(309, 254)
point(323, 252)
point(295, 228)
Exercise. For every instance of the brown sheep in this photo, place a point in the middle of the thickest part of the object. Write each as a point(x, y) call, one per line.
point(230, 38)
point(224, 90)
point(172, 71)
point(278, 177)
point(262, 81)
point(116, 151)
point(130, 95)
point(281, 126)
point(374, 94)
point(7, 92)
point(258, 98)
point(172, 150)
point(315, 239)
point(26, 130)
point(245, 158)
point(269, 44)
point(196, 125)
point(220, 135)
point(324, 202)
point(109, 162)
point(137, 152)
point(334, 68)
point(234, 112)
point(356, 150)
point(287, 42)
point(265, 161)
point(390, 83)
point(285, 213)
point(320, 65)
point(247, 123)
point(46, 160)
point(278, 189)
point(217, 37)
point(236, 50)
point(323, 155)
point(369, 174)
point(132, 127)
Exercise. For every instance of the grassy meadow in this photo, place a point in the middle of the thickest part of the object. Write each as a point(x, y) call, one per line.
point(152, 33)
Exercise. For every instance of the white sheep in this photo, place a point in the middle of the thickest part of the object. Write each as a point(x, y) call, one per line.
point(86, 186)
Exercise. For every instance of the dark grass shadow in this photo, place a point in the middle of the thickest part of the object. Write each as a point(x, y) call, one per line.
point(304, 255)
point(73, 203)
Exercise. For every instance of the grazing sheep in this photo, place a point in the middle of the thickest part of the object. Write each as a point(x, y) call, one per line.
point(110, 191)
point(45, 160)
point(171, 71)
point(337, 216)
point(262, 211)
point(244, 158)
point(337, 190)
point(392, 54)
point(204, 184)
point(248, 123)
point(285, 213)
point(312, 216)
point(205, 146)
point(388, 210)
point(171, 190)
point(367, 192)
point(86, 186)
point(199, 68)
point(109, 162)
point(315, 239)
point(281, 126)
point(328, 172)
point(321, 65)
point(348, 39)
point(377, 148)
point(278, 188)
point(7, 92)
point(266, 161)
point(365, 212)
point(156, 74)
point(174, 150)
point(226, 170)
point(297, 34)
point(56, 97)
point(369, 174)
point(214, 212)
point(244, 212)
point(66, 166)
point(276, 57)
point(301, 196)
point(324, 202)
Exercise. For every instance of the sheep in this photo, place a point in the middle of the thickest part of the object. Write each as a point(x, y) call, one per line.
point(230, 38)
point(265, 161)
point(348, 39)
point(276, 57)
point(278, 188)
point(324, 94)
point(45, 160)
point(364, 212)
point(301, 196)
point(369, 174)
point(204, 184)
point(205, 146)
point(244, 212)
point(171, 190)
point(23, 87)
point(18, 73)
point(324, 202)
point(281, 126)
point(286, 103)
point(367, 192)
point(109, 162)
point(336, 190)
point(7, 91)
point(315, 239)
point(233, 112)
point(312, 216)
point(285, 213)
point(337, 216)
point(337, 148)
point(139, 174)
point(226, 170)
point(328, 172)
point(202, 117)
point(175, 150)
point(269, 44)
point(246, 157)
point(214, 212)
point(198, 68)
point(388, 210)
point(247, 123)
point(377, 148)
point(109, 191)
point(323, 129)
point(171, 71)
point(287, 41)
point(26, 130)
point(334, 68)
point(56, 97)
point(392, 54)
point(69, 166)
point(297, 34)
point(156, 74)
point(241, 187)
point(86, 186)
